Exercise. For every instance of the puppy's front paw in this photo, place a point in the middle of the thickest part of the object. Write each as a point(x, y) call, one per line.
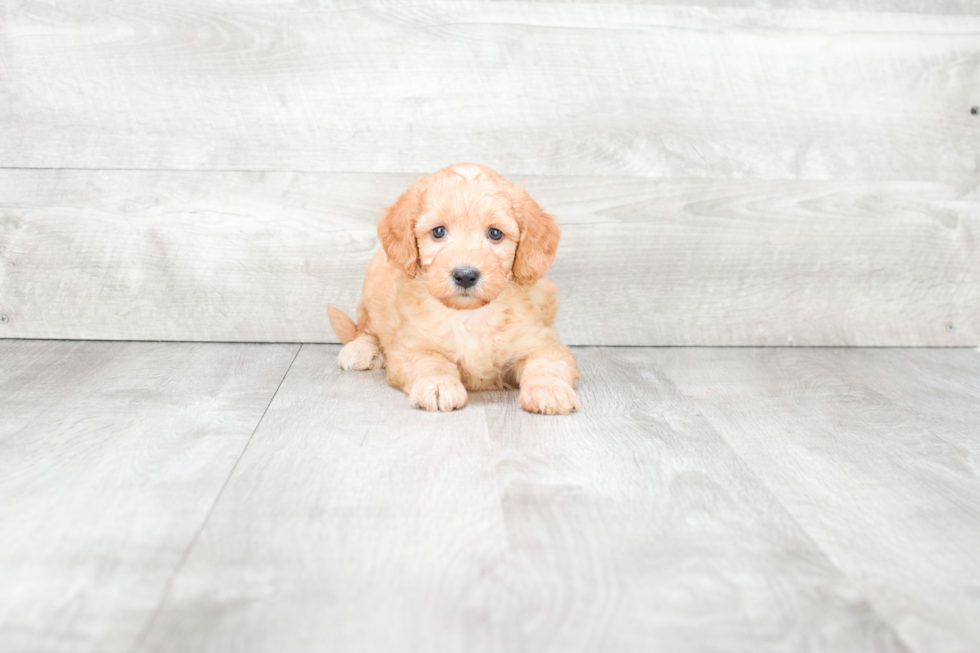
point(548, 396)
point(360, 354)
point(443, 393)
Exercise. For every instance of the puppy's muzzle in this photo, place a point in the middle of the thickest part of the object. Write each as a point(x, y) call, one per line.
point(466, 277)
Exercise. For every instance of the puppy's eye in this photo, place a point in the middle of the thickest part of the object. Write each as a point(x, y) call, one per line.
point(439, 232)
point(495, 234)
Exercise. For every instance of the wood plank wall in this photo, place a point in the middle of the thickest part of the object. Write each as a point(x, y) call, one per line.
point(725, 173)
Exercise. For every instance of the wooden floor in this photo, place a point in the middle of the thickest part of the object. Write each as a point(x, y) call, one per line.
point(735, 172)
point(252, 497)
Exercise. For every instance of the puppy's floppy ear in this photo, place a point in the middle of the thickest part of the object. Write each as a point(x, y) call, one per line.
point(539, 238)
point(396, 230)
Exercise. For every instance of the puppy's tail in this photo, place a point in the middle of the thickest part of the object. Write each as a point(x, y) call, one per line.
point(343, 326)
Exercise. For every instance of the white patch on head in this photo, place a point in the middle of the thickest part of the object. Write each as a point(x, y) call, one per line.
point(468, 171)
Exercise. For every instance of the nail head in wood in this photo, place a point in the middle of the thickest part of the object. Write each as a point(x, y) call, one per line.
point(975, 110)
point(4, 319)
point(950, 327)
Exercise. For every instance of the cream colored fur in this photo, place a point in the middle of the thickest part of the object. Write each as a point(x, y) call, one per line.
point(437, 339)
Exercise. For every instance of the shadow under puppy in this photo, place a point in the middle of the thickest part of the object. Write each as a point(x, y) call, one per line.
point(456, 298)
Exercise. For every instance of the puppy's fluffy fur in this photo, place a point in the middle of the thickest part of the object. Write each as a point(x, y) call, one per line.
point(438, 338)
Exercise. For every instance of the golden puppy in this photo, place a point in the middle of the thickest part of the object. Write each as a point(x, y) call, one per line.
point(456, 299)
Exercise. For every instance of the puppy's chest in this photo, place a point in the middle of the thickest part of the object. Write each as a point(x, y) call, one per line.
point(474, 332)
point(479, 342)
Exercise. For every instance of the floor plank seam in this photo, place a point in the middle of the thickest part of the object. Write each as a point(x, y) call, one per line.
point(141, 640)
point(751, 472)
point(804, 532)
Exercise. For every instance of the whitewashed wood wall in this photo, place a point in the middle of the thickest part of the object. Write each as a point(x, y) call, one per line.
point(726, 173)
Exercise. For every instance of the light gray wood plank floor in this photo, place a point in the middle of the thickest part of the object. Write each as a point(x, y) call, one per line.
point(215, 497)
point(111, 457)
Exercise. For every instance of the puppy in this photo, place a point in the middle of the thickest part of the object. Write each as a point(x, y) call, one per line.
point(456, 300)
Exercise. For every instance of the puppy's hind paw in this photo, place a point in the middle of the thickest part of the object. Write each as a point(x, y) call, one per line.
point(360, 354)
point(443, 393)
point(548, 397)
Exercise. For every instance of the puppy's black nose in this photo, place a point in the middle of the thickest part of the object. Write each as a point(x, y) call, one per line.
point(466, 277)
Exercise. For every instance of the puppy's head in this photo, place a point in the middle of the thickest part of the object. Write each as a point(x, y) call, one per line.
point(468, 232)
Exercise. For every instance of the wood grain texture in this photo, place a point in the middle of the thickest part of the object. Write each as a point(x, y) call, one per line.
point(702, 500)
point(231, 256)
point(530, 88)
point(885, 485)
point(350, 524)
point(355, 523)
point(183, 256)
point(939, 386)
point(111, 456)
point(634, 527)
